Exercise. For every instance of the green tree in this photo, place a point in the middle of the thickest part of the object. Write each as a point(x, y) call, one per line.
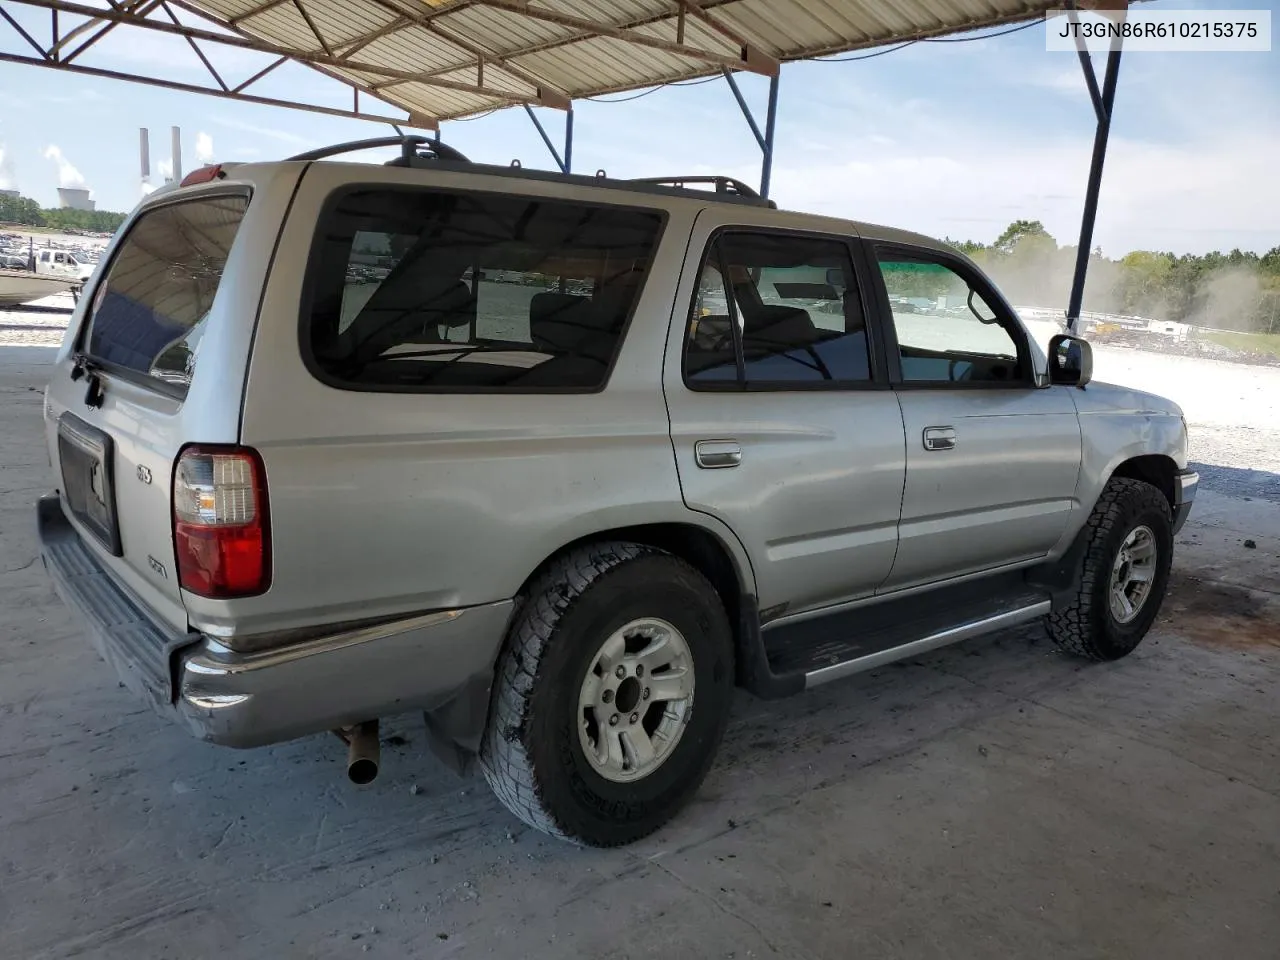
point(1018, 230)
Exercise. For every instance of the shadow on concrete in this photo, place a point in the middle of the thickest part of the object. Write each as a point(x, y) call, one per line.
point(1238, 481)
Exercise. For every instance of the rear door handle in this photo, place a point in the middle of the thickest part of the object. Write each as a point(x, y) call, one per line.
point(939, 438)
point(717, 454)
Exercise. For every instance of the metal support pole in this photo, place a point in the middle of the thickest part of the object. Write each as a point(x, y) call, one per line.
point(560, 161)
point(765, 140)
point(568, 140)
point(1104, 107)
point(770, 126)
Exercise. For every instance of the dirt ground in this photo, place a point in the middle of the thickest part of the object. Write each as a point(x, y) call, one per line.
point(994, 799)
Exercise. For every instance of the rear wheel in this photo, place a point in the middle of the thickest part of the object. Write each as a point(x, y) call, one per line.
point(612, 694)
point(1124, 573)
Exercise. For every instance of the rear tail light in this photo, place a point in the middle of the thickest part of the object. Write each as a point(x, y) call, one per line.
point(220, 529)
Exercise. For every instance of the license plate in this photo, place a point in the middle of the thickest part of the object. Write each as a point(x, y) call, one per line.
point(85, 453)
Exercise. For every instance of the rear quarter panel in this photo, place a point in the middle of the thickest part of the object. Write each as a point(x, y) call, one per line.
point(386, 503)
point(148, 427)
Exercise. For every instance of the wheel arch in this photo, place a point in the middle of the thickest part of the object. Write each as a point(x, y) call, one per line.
point(725, 564)
point(1157, 469)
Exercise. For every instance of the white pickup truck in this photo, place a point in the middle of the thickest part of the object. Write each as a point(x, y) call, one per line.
point(49, 271)
point(63, 263)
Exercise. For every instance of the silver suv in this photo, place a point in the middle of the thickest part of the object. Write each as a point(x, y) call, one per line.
point(559, 461)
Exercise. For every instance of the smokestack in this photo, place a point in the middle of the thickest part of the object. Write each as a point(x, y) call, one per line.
point(144, 144)
point(177, 153)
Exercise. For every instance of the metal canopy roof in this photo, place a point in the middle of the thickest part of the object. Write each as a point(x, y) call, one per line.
point(443, 59)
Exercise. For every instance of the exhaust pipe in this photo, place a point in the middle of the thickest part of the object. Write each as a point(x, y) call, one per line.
point(363, 750)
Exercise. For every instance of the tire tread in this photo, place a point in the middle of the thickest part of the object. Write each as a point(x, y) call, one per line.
point(1073, 627)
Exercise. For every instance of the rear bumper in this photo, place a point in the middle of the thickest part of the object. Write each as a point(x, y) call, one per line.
point(1184, 495)
point(250, 699)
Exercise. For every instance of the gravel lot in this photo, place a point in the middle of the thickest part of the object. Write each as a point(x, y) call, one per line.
point(994, 799)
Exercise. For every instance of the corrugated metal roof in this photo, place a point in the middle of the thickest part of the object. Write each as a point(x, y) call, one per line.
point(442, 59)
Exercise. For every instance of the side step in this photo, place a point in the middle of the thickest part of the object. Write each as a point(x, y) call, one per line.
point(798, 654)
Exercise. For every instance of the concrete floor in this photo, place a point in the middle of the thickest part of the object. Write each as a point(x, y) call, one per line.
point(995, 799)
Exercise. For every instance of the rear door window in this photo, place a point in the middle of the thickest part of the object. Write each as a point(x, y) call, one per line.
point(790, 315)
point(150, 310)
point(421, 290)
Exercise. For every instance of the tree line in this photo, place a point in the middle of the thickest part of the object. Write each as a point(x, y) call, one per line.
point(26, 212)
point(1239, 290)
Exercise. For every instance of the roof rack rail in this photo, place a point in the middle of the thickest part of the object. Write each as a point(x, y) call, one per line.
point(722, 185)
point(413, 148)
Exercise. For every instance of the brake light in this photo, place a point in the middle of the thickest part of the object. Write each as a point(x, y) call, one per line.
point(202, 175)
point(220, 529)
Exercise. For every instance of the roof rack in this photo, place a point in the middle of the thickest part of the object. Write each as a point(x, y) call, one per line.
point(728, 185)
point(413, 148)
point(419, 151)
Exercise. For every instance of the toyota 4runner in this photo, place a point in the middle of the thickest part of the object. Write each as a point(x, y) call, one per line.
point(561, 460)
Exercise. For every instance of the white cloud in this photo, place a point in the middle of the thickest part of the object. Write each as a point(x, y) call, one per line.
point(1194, 196)
point(284, 136)
point(204, 149)
point(164, 168)
point(68, 175)
point(8, 176)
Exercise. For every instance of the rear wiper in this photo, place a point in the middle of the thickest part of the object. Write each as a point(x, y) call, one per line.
point(86, 366)
point(82, 365)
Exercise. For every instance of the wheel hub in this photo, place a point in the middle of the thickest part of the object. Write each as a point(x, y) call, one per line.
point(1133, 574)
point(635, 699)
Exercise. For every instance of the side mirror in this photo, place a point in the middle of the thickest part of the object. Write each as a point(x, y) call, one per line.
point(1070, 360)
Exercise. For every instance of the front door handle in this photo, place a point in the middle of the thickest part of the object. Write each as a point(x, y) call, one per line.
point(717, 454)
point(939, 438)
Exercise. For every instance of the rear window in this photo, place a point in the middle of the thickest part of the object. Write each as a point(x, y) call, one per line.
point(416, 290)
point(149, 312)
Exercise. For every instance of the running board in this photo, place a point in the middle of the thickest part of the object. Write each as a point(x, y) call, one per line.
point(792, 654)
point(974, 628)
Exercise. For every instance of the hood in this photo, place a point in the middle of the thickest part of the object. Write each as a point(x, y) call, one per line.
point(1098, 397)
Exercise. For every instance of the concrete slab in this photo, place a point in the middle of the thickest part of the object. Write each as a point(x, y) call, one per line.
point(994, 799)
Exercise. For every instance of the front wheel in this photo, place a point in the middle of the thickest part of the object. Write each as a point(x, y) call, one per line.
point(1124, 573)
point(612, 694)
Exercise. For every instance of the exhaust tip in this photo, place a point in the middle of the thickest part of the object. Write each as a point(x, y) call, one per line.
point(362, 770)
point(363, 752)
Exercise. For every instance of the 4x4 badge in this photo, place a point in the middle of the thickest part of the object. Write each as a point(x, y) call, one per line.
point(144, 473)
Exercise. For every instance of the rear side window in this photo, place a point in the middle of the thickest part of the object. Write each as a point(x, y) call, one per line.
point(417, 290)
point(149, 312)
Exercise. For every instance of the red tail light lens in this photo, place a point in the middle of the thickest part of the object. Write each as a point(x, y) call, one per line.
point(202, 175)
point(220, 528)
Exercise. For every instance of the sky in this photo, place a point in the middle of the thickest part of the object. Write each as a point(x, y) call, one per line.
point(950, 139)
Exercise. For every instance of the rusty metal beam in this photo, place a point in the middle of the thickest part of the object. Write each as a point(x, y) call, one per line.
point(548, 94)
point(751, 51)
point(749, 59)
point(195, 49)
point(142, 9)
point(545, 45)
point(88, 25)
point(246, 42)
point(415, 121)
point(269, 5)
point(25, 36)
point(359, 43)
point(324, 44)
point(260, 74)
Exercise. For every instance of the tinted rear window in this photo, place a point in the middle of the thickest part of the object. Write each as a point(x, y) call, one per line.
point(425, 290)
point(149, 313)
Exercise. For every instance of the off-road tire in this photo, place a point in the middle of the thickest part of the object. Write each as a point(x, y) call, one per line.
point(532, 756)
point(1085, 625)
